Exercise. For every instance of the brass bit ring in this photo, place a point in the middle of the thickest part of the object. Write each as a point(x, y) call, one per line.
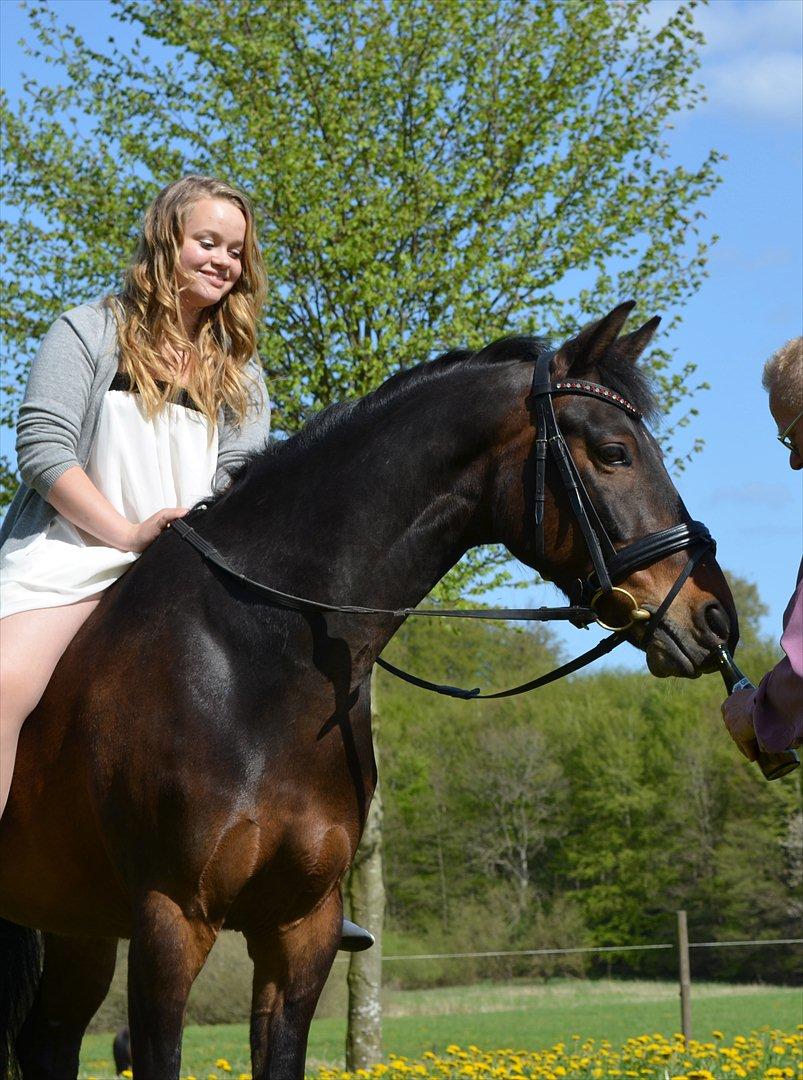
point(637, 613)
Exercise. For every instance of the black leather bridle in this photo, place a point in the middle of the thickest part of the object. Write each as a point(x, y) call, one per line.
point(610, 565)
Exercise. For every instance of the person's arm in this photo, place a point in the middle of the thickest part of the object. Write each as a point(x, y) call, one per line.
point(57, 398)
point(236, 442)
point(76, 498)
point(777, 705)
point(771, 716)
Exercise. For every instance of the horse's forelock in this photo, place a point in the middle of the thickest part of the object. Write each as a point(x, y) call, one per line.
point(631, 381)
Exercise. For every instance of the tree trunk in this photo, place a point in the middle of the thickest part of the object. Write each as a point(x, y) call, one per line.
point(367, 894)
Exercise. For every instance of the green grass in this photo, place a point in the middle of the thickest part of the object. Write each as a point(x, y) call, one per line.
point(493, 1015)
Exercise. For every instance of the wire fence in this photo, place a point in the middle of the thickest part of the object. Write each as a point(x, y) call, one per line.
point(580, 949)
point(592, 949)
point(682, 945)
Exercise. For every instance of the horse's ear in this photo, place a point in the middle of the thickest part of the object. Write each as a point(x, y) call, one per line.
point(631, 346)
point(580, 354)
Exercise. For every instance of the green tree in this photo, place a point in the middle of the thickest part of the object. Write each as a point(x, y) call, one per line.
point(636, 803)
point(426, 175)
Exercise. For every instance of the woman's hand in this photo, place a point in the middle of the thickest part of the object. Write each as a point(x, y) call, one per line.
point(78, 500)
point(146, 532)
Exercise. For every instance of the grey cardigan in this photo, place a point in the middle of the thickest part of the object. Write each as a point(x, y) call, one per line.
point(61, 408)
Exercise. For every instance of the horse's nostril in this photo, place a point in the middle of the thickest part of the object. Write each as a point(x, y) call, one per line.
point(717, 620)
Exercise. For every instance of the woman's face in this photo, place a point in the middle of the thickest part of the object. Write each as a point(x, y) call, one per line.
point(211, 254)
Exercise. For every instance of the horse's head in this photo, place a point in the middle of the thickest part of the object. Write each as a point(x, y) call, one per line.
point(626, 496)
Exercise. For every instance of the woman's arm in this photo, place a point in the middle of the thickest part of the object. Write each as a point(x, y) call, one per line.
point(76, 498)
point(57, 398)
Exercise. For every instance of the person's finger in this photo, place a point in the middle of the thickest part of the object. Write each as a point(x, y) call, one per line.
point(170, 514)
point(739, 722)
point(749, 747)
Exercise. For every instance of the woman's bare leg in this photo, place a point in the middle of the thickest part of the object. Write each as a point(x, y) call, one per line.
point(31, 643)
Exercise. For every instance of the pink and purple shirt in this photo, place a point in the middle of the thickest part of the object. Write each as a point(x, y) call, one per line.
point(777, 704)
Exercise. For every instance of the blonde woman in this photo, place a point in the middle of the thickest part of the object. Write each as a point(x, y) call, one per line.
point(136, 406)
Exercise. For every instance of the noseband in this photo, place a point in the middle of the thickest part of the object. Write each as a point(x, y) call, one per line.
point(610, 565)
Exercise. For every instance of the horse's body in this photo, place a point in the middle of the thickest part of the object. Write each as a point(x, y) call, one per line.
point(203, 758)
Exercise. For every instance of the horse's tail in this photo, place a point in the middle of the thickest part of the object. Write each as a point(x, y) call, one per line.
point(20, 970)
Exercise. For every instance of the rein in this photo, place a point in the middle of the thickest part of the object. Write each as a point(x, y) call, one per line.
point(609, 565)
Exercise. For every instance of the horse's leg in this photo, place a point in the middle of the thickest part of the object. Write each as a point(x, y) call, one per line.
point(75, 980)
point(166, 953)
point(290, 969)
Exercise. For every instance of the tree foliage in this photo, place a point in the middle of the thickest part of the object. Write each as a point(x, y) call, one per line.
point(426, 175)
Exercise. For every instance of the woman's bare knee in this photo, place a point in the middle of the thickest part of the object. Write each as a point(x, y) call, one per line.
point(18, 697)
point(31, 645)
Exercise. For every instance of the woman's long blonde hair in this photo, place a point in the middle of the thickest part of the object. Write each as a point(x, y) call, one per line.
point(149, 317)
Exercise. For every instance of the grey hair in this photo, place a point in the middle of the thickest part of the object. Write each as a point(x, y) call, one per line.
point(783, 374)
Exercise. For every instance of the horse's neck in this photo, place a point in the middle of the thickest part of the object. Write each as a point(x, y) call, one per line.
point(375, 516)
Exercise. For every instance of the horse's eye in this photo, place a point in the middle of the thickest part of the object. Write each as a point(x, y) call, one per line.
point(613, 454)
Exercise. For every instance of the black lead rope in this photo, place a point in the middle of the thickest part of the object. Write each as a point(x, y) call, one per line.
point(600, 649)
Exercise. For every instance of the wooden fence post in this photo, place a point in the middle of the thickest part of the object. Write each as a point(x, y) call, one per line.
point(685, 976)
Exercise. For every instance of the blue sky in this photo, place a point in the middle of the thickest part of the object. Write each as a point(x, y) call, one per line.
point(740, 485)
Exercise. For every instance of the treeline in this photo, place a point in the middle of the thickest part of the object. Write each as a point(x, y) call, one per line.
point(585, 813)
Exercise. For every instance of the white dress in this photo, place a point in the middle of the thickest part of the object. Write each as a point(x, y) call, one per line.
point(141, 466)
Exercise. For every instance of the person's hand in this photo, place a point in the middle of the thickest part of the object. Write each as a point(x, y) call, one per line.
point(738, 717)
point(146, 532)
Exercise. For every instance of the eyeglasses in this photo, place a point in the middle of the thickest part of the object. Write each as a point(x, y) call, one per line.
point(786, 439)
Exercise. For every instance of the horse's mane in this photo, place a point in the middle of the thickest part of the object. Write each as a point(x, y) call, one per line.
point(614, 371)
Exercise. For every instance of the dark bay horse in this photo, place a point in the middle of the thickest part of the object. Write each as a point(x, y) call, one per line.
point(203, 759)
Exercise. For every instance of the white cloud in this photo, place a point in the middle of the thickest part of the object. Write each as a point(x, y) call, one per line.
point(752, 62)
point(768, 86)
point(755, 25)
point(765, 258)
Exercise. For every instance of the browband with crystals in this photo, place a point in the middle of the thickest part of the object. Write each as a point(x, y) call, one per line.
point(596, 390)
